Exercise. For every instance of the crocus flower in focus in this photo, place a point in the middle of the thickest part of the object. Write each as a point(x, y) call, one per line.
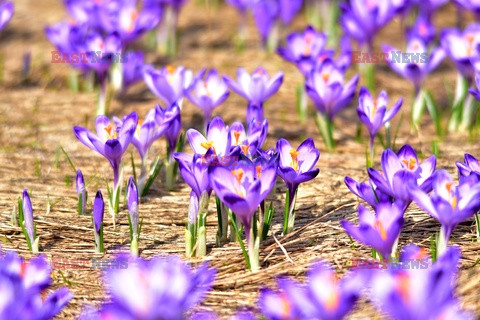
point(251, 142)
point(401, 169)
point(323, 296)
point(111, 142)
point(242, 188)
point(374, 114)
point(168, 83)
point(173, 289)
point(423, 29)
point(207, 92)
point(368, 192)
point(470, 166)
point(419, 293)
point(296, 166)
point(218, 138)
point(256, 88)
point(133, 218)
point(24, 289)
point(81, 192)
point(416, 70)
point(303, 49)
point(362, 19)
point(97, 217)
point(26, 222)
point(449, 203)
point(6, 13)
point(461, 47)
point(379, 230)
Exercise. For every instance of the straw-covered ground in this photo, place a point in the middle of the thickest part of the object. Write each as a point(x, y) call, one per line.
point(37, 115)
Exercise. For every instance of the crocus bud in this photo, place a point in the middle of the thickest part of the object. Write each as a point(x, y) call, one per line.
point(82, 194)
point(132, 202)
point(27, 222)
point(98, 210)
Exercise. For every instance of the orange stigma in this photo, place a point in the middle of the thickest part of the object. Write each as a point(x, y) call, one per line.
point(238, 174)
point(285, 307)
point(325, 77)
point(374, 109)
point(403, 286)
point(259, 171)
point(23, 269)
point(381, 229)
point(410, 163)
point(236, 134)
point(294, 154)
point(133, 19)
point(205, 85)
point(111, 131)
point(245, 149)
point(170, 69)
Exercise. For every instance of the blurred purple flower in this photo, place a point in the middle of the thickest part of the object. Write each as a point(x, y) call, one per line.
point(324, 296)
point(428, 7)
point(168, 83)
point(379, 229)
point(23, 289)
point(160, 288)
point(169, 121)
point(207, 92)
point(470, 166)
point(415, 72)
point(6, 13)
point(401, 169)
point(256, 88)
point(325, 86)
point(133, 70)
point(110, 141)
point(98, 211)
point(265, 13)
point(423, 29)
point(80, 186)
point(462, 47)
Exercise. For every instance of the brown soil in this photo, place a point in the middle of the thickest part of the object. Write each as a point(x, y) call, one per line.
point(37, 117)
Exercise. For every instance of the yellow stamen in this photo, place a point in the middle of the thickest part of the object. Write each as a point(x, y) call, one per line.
point(236, 134)
point(238, 174)
point(207, 145)
point(294, 154)
point(111, 131)
point(374, 109)
point(410, 163)
point(170, 69)
point(285, 307)
point(205, 85)
point(325, 77)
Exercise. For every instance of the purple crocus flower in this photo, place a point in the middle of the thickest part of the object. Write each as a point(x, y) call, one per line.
point(207, 92)
point(373, 112)
point(325, 86)
point(256, 88)
point(81, 192)
point(449, 203)
point(423, 29)
point(296, 166)
point(305, 49)
point(23, 289)
point(323, 296)
point(469, 167)
point(419, 293)
point(419, 66)
point(173, 289)
point(400, 169)
point(249, 143)
point(362, 19)
point(110, 141)
point(265, 13)
point(132, 203)
point(368, 192)
point(218, 138)
point(168, 83)
point(170, 117)
point(428, 7)
point(6, 13)
point(124, 18)
point(133, 70)
point(462, 47)
point(28, 216)
point(84, 11)
point(194, 172)
point(475, 92)
point(379, 230)
point(97, 217)
point(289, 9)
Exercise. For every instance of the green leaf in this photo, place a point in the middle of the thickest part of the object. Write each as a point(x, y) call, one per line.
point(157, 166)
point(268, 220)
point(133, 168)
point(69, 160)
point(239, 237)
point(434, 113)
point(285, 213)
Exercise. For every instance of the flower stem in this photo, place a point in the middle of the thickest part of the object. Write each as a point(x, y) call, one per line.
point(468, 112)
point(289, 221)
point(442, 242)
point(253, 251)
point(102, 97)
point(134, 246)
point(418, 109)
point(461, 90)
point(301, 103)
point(325, 126)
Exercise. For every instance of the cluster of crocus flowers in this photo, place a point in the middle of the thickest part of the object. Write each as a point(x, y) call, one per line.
point(97, 219)
point(255, 88)
point(23, 289)
point(160, 288)
point(27, 224)
point(111, 142)
point(379, 230)
point(449, 203)
point(81, 192)
point(6, 13)
point(326, 86)
point(207, 91)
point(295, 166)
point(323, 296)
point(374, 114)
